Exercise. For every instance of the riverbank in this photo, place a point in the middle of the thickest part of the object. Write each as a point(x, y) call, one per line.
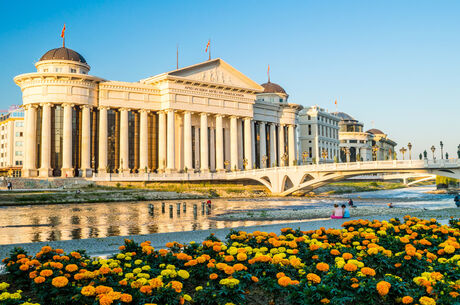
point(346, 187)
point(289, 214)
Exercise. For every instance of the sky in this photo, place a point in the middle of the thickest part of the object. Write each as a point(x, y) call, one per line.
point(393, 65)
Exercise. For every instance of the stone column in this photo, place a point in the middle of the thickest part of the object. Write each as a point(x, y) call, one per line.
point(281, 145)
point(161, 141)
point(170, 158)
point(212, 149)
point(248, 142)
point(262, 144)
point(143, 142)
point(45, 168)
point(233, 143)
point(124, 142)
point(30, 153)
point(272, 145)
point(102, 140)
point(291, 144)
point(188, 160)
point(86, 169)
point(204, 146)
point(67, 169)
point(136, 141)
point(219, 144)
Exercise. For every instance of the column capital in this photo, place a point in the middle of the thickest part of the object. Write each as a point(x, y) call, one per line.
point(68, 105)
point(87, 106)
point(124, 109)
point(144, 110)
point(103, 107)
point(204, 114)
point(247, 118)
point(169, 110)
point(234, 117)
point(46, 104)
point(30, 106)
point(188, 112)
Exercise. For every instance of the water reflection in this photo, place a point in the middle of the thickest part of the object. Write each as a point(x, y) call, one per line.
point(88, 220)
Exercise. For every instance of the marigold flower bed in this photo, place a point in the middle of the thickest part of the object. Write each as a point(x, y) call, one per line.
point(366, 262)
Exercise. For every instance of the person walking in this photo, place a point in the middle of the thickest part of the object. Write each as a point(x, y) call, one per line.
point(350, 202)
point(457, 200)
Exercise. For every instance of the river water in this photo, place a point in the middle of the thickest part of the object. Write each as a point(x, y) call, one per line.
point(90, 220)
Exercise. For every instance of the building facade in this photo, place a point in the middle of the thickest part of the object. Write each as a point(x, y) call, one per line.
point(318, 136)
point(205, 117)
point(12, 142)
point(359, 145)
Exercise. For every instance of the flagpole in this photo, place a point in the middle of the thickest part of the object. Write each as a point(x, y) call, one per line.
point(209, 49)
point(177, 57)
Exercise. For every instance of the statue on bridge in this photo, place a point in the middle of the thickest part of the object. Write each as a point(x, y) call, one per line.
point(425, 155)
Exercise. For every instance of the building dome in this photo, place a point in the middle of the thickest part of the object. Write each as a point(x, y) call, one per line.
point(63, 53)
point(343, 116)
point(273, 88)
point(375, 131)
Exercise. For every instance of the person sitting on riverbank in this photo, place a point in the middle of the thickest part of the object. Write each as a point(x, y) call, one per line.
point(457, 200)
point(337, 212)
point(390, 205)
point(346, 211)
point(350, 203)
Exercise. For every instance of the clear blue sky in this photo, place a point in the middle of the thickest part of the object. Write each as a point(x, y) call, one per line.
point(394, 63)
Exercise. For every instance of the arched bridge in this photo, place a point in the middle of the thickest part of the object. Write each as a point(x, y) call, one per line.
point(283, 181)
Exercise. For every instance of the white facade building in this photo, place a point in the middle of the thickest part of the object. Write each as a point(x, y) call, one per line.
point(318, 135)
point(12, 141)
point(201, 118)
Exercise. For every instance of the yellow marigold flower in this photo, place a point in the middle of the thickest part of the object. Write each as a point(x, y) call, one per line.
point(383, 288)
point(183, 274)
point(88, 291)
point(60, 281)
point(427, 301)
point(407, 300)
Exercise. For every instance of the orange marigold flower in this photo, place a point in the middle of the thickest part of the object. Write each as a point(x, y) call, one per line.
point(213, 276)
point(24, 267)
point(146, 289)
point(229, 258)
point(335, 252)
point(347, 256)
point(177, 286)
point(105, 300)
point(39, 279)
point(280, 275)
point(284, 281)
point(241, 257)
point(314, 278)
point(354, 285)
point(383, 288)
point(60, 281)
point(322, 267)
point(368, 271)
point(350, 267)
point(88, 291)
point(46, 272)
point(325, 301)
point(126, 298)
point(71, 268)
point(103, 289)
point(229, 270)
point(254, 279)
point(407, 300)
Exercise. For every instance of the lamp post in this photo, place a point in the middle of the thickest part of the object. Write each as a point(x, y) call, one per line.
point(264, 161)
point(324, 154)
point(403, 151)
point(442, 145)
point(245, 163)
point(284, 158)
point(433, 149)
point(226, 164)
point(375, 149)
point(458, 151)
point(304, 156)
point(409, 145)
point(346, 150)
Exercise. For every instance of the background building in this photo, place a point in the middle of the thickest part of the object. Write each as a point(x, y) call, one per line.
point(12, 142)
point(318, 135)
point(205, 117)
point(359, 145)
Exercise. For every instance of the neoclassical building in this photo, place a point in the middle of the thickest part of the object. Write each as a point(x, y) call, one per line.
point(359, 145)
point(205, 117)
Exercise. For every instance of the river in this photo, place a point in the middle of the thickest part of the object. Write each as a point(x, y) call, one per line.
point(22, 224)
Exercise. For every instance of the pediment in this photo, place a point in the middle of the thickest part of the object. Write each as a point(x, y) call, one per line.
point(219, 72)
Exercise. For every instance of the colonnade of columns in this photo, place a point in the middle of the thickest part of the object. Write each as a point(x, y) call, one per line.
point(213, 152)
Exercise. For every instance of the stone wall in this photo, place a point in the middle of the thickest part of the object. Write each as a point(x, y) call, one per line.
point(51, 183)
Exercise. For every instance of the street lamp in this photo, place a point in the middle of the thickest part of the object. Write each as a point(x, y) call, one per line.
point(264, 161)
point(346, 150)
point(410, 148)
point(375, 149)
point(245, 163)
point(442, 145)
point(433, 149)
point(458, 151)
point(324, 154)
point(226, 164)
point(284, 158)
point(304, 156)
point(403, 151)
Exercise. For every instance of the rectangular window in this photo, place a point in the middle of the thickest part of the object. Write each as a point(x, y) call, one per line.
point(309, 130)
point(19, 143)
point(73, 70)
point(19, 124)
point(18, 153)
point(45, 70)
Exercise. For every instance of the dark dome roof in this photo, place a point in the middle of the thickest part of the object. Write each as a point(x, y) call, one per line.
point(375, 131)
point(63, 54)
point(273, 88)
point(344, 116)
